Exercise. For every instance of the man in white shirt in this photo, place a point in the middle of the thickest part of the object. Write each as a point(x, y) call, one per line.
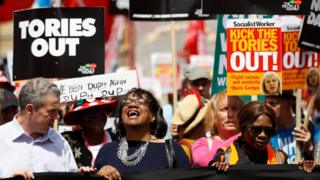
point(28, 143)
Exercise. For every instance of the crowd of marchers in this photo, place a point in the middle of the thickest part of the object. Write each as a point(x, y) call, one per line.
point(204, 130)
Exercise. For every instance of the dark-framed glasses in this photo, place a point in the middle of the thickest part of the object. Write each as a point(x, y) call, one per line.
point(256, 130)
point(138, 101)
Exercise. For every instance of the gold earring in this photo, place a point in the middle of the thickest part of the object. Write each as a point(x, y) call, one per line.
point(153, 119)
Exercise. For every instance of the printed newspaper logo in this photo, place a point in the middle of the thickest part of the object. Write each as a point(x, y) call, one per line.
point(297, 2)
point(87, 68)
point(292, 5)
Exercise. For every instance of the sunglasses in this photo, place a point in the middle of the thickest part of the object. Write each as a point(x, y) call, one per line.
point(200, 82)
point(256, 130)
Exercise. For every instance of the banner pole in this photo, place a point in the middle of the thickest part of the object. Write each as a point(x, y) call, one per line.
point(254, 98)
point(310, 109)
point(298, 122)
point(174, 65)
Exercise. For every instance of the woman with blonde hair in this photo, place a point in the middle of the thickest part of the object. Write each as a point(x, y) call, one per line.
point(222, 116)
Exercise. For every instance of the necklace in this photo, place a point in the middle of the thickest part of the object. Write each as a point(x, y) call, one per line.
point(134, 158)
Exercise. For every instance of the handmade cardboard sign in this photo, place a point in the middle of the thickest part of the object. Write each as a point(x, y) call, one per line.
point(113, 84)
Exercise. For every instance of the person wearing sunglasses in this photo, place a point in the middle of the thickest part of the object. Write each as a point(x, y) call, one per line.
point(257, 126)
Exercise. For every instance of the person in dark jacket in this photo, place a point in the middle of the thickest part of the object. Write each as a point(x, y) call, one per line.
point(142, 147)
point(91, 117)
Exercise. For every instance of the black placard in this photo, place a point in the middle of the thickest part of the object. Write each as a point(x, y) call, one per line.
point(119, 7)
point(309, 35)
point(163, 10)
point(284, 7)
point(58, 42)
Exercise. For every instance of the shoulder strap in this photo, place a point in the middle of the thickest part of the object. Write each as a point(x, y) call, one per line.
point(170, 153)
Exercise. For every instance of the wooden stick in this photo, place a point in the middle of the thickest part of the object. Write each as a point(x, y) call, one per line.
point(54, 3)
point(254, 98)
point(298, 122)
point(174, 65)
point(56, 121)
point(310, 109)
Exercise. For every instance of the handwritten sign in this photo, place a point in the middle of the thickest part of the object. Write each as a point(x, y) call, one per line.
point(113, 84)
point(253, 49)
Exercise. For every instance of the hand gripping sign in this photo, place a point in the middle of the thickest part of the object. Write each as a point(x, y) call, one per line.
point(253, 57)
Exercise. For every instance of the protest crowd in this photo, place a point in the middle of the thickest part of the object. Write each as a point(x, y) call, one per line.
point(266, 112)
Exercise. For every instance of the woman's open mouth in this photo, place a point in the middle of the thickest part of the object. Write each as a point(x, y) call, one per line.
point(133, 114)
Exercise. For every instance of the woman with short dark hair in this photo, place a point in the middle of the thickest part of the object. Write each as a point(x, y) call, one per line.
point(141, 147)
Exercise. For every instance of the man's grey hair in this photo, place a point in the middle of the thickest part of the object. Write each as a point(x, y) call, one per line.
point(34, 91)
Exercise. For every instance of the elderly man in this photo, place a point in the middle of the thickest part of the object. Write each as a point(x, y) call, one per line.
point(28, 143)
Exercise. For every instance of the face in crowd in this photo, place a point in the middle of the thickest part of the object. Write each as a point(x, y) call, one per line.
point(136, 112)
point(93, 118)
point(139, 109)
point(257, 124)
point(43, 117)
point(226, 111)
point(272, 84)
point(281, 106)
point(259, 133)
point(203, 86)
point(313, 78)
point(7, 114)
